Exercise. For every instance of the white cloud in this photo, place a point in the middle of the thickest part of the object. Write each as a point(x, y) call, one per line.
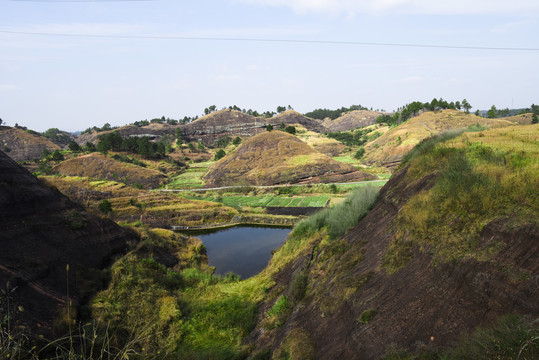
point(404, 6)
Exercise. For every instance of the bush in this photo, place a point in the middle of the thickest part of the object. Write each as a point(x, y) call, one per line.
point(219, 154)
point(359, 154)
point(105, 206)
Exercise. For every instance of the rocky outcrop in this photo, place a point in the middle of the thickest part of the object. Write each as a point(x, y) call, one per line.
point(352, 120)
point(292, 117)
point(51, 249)
point(21, 145)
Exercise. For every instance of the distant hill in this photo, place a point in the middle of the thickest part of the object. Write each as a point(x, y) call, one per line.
point(41, 233)
point(389, 149)
point(352, 120)
point(152, 130)
point(98, 166)
point(276, 157)
point(291, 117)
point(21, 145)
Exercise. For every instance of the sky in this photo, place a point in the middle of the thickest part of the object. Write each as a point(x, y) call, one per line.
point(77, 64)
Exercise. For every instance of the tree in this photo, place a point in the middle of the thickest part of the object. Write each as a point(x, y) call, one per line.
point(359, 153)
point(57, 155)
point(1, 122)
point(281, 109)
point(492, 113)
point(90, 147)
point(236, 141)
point(458, 106)
point(73, 146)
point(290, 129)
point(105, 206)
point(534, 119)
point(219, 154)
point(466, 106)
point(269, 127)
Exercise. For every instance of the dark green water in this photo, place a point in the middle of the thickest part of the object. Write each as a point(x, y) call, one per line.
point(244, 250)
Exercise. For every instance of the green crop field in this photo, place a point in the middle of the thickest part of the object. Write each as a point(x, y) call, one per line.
point(271, 201)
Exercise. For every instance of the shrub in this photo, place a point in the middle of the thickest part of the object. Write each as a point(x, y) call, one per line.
point(219, 154)
point(105, 206)
point(359, 154)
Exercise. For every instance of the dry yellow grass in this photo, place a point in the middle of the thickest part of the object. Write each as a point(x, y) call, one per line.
point(388, 149)
point(271, 158)
point(98, 166)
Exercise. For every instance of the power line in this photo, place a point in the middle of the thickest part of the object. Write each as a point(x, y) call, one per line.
point(292, 41)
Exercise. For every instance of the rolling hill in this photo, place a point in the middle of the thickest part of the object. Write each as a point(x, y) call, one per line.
point(352, 120)
point(389, 149)
point(21, 145)
point(277, 157)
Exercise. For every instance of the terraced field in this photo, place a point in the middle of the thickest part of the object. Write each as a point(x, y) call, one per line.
point(191, 178)
point(269, 201)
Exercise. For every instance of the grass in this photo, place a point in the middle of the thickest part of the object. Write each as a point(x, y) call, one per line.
point(481, 176)
point(268, 201)
point(339, 219)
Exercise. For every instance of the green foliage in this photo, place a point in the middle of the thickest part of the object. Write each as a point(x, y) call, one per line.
point(219, 154)
point(492, 113)
point(535, 120)
point(223, 141)
point(340, 218)
point(367, 315)
point(290, 129)
point(90, 147)
point(236, 141)
point(359, 153)
point(73, 146)
point(269, 127)
point(105, 206)
point(321, 114)
point(57, 155)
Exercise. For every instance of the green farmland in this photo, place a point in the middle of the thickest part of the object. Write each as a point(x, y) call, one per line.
point(269, 201)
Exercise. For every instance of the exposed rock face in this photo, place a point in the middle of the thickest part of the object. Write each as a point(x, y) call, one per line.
point(352, 120)
point(276, 157)
point(21, 145)
point(423, 303)
point(152, 130)
point(293, 117)
point(211, 127)
point(41, 232)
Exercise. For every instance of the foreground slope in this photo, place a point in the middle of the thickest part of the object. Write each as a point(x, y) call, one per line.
point(41, 232)
point(451, 245)
point(276, 157)
point(389, 149)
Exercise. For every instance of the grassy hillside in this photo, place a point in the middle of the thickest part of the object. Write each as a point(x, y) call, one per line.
point(389, 149)
point(272, 158)
point(98, 166)
point(437, 269)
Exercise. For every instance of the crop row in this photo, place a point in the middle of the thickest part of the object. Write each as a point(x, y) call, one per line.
point(271, 201)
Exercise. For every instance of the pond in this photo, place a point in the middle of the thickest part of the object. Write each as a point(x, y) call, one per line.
point(244, 250)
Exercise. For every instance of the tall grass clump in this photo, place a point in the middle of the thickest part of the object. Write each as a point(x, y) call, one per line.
point(342, 217)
